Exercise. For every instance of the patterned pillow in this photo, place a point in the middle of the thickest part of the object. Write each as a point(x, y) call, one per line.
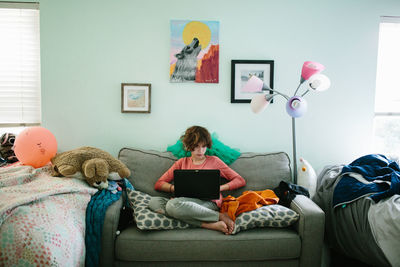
point(147, 219)
point(265, 216)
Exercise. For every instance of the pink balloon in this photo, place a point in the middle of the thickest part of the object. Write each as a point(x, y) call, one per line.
point(35, 146)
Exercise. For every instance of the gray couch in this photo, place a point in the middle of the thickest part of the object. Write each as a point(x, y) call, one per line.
point(298, 245)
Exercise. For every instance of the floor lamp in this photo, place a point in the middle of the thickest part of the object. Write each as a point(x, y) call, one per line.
point(296, 106)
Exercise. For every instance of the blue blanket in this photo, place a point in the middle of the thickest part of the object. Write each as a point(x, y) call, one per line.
point(382, 180)
point(95, 213)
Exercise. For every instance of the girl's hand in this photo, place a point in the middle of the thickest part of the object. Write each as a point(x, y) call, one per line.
point(167, 187)
point(223, 187)
point(172, 191)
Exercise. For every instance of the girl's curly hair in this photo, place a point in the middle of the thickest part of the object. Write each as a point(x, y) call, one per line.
point(194, 136)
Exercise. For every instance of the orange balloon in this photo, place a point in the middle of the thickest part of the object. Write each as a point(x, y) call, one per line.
point(35, 146)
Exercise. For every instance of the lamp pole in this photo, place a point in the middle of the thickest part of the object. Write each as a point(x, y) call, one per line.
point(294, 150)
point(268, 98)
point(294, 138)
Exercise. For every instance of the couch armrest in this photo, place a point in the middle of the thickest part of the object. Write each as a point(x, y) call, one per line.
point(110, 226)
point(310, 226)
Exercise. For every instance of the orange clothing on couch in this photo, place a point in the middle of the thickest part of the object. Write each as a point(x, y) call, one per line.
point(249, 200)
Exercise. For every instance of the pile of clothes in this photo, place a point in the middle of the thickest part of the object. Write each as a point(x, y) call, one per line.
point(7, 154)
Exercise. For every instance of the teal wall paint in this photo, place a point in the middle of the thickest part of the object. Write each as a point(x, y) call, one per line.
point(88, 48)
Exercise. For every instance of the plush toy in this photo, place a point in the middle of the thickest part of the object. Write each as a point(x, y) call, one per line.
point(6, 147)
point(94, 164)
point(307, 177)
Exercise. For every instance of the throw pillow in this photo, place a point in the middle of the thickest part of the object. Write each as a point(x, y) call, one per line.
point(147, 219)
point(222, 151)
point(266, 216)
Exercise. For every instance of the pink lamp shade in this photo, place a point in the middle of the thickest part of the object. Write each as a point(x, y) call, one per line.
point(253, 85)
point(319, 82)
point(309, 69)
point(296, 106)
point(259, 103)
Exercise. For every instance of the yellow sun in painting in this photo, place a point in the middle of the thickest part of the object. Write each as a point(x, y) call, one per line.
point(199, 30)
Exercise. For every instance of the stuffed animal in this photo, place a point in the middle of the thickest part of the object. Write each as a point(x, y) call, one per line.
point(7, 147)
point(307, 177)
point(94, 164)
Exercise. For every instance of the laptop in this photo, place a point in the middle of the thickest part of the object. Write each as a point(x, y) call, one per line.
point(202, 184)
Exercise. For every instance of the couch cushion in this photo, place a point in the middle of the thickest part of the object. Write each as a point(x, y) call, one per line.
point(194, 243)
point(260, 170)
point(146, 167)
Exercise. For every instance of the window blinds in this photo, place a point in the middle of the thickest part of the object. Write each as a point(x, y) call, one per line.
point(387, 93)
point(19, 64)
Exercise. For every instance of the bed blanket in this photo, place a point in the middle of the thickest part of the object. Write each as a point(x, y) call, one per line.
point(42, 218)
point(95, 213)
point(348, 228)
point(384, 218)
point(372, 175)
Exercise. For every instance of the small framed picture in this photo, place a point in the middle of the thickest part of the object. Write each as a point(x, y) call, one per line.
point(242, 70)
point(135, 97)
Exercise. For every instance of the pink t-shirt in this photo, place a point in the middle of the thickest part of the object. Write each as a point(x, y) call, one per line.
point(211, 162)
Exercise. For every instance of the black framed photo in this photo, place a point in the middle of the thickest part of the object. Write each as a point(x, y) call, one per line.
point(242, 70)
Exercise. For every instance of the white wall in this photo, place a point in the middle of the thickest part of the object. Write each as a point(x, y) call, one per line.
point(88, 48)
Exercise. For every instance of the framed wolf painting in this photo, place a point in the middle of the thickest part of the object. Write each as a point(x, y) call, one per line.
point(194, 55)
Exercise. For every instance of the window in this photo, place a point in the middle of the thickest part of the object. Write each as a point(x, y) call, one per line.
point(387, 96)
point(19, 65)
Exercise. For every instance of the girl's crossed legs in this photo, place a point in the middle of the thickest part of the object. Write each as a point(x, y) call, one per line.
point(197, 212)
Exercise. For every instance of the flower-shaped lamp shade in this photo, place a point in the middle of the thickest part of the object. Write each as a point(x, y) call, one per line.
point(319, 82)
point(259, 102)
point(309, 69)
point(296, 106)
point(254, 84)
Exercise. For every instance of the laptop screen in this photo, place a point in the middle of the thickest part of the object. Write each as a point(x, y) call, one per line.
point(202, 184)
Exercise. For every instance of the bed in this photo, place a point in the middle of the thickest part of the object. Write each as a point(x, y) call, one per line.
point(42, 218)
point(361, 202)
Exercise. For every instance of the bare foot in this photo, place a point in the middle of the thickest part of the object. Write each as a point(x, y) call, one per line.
point(217, 226)
point(228, 221)
point(161, 211)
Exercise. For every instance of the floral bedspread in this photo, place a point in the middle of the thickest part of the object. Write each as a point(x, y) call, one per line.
point(42, 218)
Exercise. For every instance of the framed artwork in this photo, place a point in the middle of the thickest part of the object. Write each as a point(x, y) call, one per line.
point(194, 54)
point(135, 97)
point(242, 70)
